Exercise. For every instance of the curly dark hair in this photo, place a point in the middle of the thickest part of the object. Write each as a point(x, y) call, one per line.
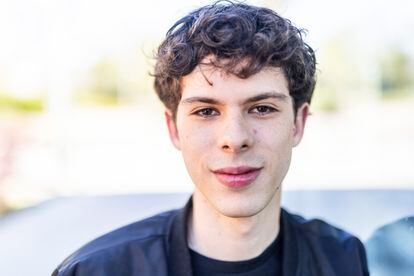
point(234, 34)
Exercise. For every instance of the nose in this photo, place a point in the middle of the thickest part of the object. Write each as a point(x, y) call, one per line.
point(236, 134)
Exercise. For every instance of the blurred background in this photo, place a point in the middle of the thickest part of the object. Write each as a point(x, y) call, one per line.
point(79, 117)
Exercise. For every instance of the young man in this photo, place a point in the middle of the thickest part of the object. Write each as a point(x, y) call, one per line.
point(236, 81)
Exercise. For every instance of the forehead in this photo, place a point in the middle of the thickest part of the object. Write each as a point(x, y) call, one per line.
point(210, 81)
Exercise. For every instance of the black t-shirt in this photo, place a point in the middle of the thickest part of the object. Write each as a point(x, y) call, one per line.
point(267, 263)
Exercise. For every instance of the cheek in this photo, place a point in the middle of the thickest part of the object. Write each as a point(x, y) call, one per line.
point(276, 138)
point(196, 140)
point(197, 151)
point(278, 151)
point(274, 148)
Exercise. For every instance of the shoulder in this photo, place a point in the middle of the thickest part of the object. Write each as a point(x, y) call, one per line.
point(330, 245)
point(121, 245)
point(317, 228)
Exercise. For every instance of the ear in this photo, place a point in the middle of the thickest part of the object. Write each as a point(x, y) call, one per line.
point(172, 129)
point(300, 121)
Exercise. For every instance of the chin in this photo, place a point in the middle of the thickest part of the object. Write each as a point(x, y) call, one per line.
point(240, 213)
point(242, 208)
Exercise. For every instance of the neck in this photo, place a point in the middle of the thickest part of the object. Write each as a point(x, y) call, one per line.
point(220, 237)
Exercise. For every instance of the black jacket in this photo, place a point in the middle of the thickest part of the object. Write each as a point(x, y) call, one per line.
point(157, 246)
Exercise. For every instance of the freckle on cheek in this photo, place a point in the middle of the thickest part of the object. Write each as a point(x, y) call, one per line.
point(254, 131)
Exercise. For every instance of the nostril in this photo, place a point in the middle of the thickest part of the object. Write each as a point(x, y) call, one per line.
point(235, 148)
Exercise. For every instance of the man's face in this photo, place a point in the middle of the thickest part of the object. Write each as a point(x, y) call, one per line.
point(236, 137)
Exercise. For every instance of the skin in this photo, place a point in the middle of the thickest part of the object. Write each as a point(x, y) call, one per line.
point(224, 121)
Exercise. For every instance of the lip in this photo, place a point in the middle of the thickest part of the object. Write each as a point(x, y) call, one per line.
point(237, 176)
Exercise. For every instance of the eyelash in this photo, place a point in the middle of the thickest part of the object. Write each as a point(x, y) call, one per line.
point(212, 110)
point(199, 112)
point(270, 109)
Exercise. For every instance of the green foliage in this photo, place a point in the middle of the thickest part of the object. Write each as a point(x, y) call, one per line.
point(325, 100)
point(338, 73)
point(116, 82)
point(9, 103)
point(101, 85)
point(398, 94)
point(397, 73)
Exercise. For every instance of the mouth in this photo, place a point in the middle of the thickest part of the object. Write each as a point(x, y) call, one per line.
point(237, 177)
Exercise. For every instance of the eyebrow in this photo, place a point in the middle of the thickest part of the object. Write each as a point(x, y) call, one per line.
point(260, 97)
point(267, 95)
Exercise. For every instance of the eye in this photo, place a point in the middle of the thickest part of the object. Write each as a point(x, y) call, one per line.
point(262, 109)
point(206, 112)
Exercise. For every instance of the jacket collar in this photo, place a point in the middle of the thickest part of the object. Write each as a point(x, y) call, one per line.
point(292, 261)
point(179, 260)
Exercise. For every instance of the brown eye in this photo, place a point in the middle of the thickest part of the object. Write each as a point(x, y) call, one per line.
point(263, 109)
point(206, 112)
